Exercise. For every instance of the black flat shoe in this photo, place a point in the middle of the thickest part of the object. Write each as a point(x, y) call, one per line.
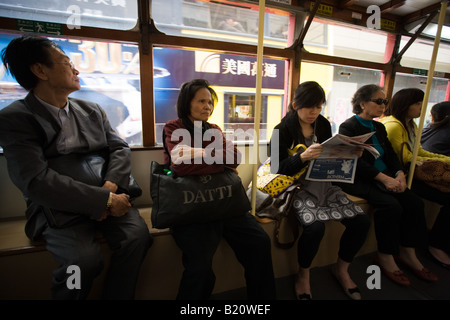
point(442, 264)
point(303, 296)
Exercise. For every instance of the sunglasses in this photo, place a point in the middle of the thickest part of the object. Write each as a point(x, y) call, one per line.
point(380, 101)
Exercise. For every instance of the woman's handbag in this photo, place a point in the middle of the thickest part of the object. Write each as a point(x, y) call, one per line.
point(274, 194)
point(273, 183)
point(435, 173)
point(277, 210)
point(90, 168)
point(195, 198)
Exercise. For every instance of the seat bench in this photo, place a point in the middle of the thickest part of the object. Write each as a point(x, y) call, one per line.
point(14, 241)
point(26, 266)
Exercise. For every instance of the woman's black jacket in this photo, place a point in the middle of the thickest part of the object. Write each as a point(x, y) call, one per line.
point(286, 135)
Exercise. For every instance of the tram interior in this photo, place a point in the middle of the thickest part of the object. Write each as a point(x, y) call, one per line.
point(25, 266)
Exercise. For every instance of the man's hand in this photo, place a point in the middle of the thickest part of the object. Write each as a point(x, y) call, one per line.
point(120, 205)
point(111, 186)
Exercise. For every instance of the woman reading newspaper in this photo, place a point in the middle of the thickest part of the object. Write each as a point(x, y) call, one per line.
point(399, 214)
point(315, 202)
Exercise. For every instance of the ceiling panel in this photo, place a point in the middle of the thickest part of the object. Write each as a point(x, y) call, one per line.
point(408, 8)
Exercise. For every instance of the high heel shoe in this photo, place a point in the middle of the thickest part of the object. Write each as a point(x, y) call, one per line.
point(397, 276)
point(352, 293)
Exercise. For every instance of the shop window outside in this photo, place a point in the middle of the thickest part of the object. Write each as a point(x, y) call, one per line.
point(239, 117)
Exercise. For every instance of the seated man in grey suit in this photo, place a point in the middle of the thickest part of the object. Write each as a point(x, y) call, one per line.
point(48, 128)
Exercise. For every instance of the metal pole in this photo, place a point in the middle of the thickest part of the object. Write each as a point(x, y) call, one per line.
point(427, 91)
point(257, 111)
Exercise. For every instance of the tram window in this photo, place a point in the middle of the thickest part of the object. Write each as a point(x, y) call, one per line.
point(347, 42)
point(221, 20)
point(118, 15)
point(109, 76)
point(339, 83)
point(229, 75)
point(438, 89)
point(418, 55)
point(317, 36)
point(431, 30)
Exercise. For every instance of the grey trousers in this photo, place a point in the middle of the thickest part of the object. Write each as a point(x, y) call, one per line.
point(76, 245)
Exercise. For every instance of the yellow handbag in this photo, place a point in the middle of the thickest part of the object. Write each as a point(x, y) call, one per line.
point(274, 183)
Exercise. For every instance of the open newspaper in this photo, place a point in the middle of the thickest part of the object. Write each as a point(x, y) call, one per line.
point(338, 159)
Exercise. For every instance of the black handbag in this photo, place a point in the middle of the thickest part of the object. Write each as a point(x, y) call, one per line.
point(90, 168)
point(87, 168)
point(278, 210)
point(195, 198)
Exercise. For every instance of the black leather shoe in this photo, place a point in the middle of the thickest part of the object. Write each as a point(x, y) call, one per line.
point(442, 264)
point(303, 296)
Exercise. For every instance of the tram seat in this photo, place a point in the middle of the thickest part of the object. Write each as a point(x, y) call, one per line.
point(26, 267)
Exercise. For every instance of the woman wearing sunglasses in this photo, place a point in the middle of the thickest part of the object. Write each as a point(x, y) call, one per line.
point(399, 118)
point(398, 213)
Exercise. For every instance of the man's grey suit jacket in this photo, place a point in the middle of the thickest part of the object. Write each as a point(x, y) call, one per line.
point(28, 136)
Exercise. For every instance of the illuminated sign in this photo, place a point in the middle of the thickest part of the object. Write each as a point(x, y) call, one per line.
point(323, 9)
point(54, 29)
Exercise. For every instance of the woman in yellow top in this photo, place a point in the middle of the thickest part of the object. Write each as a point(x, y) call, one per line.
point(398, 119)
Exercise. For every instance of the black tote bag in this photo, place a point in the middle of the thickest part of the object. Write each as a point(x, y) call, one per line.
point(90, 168)
point(195, 198)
